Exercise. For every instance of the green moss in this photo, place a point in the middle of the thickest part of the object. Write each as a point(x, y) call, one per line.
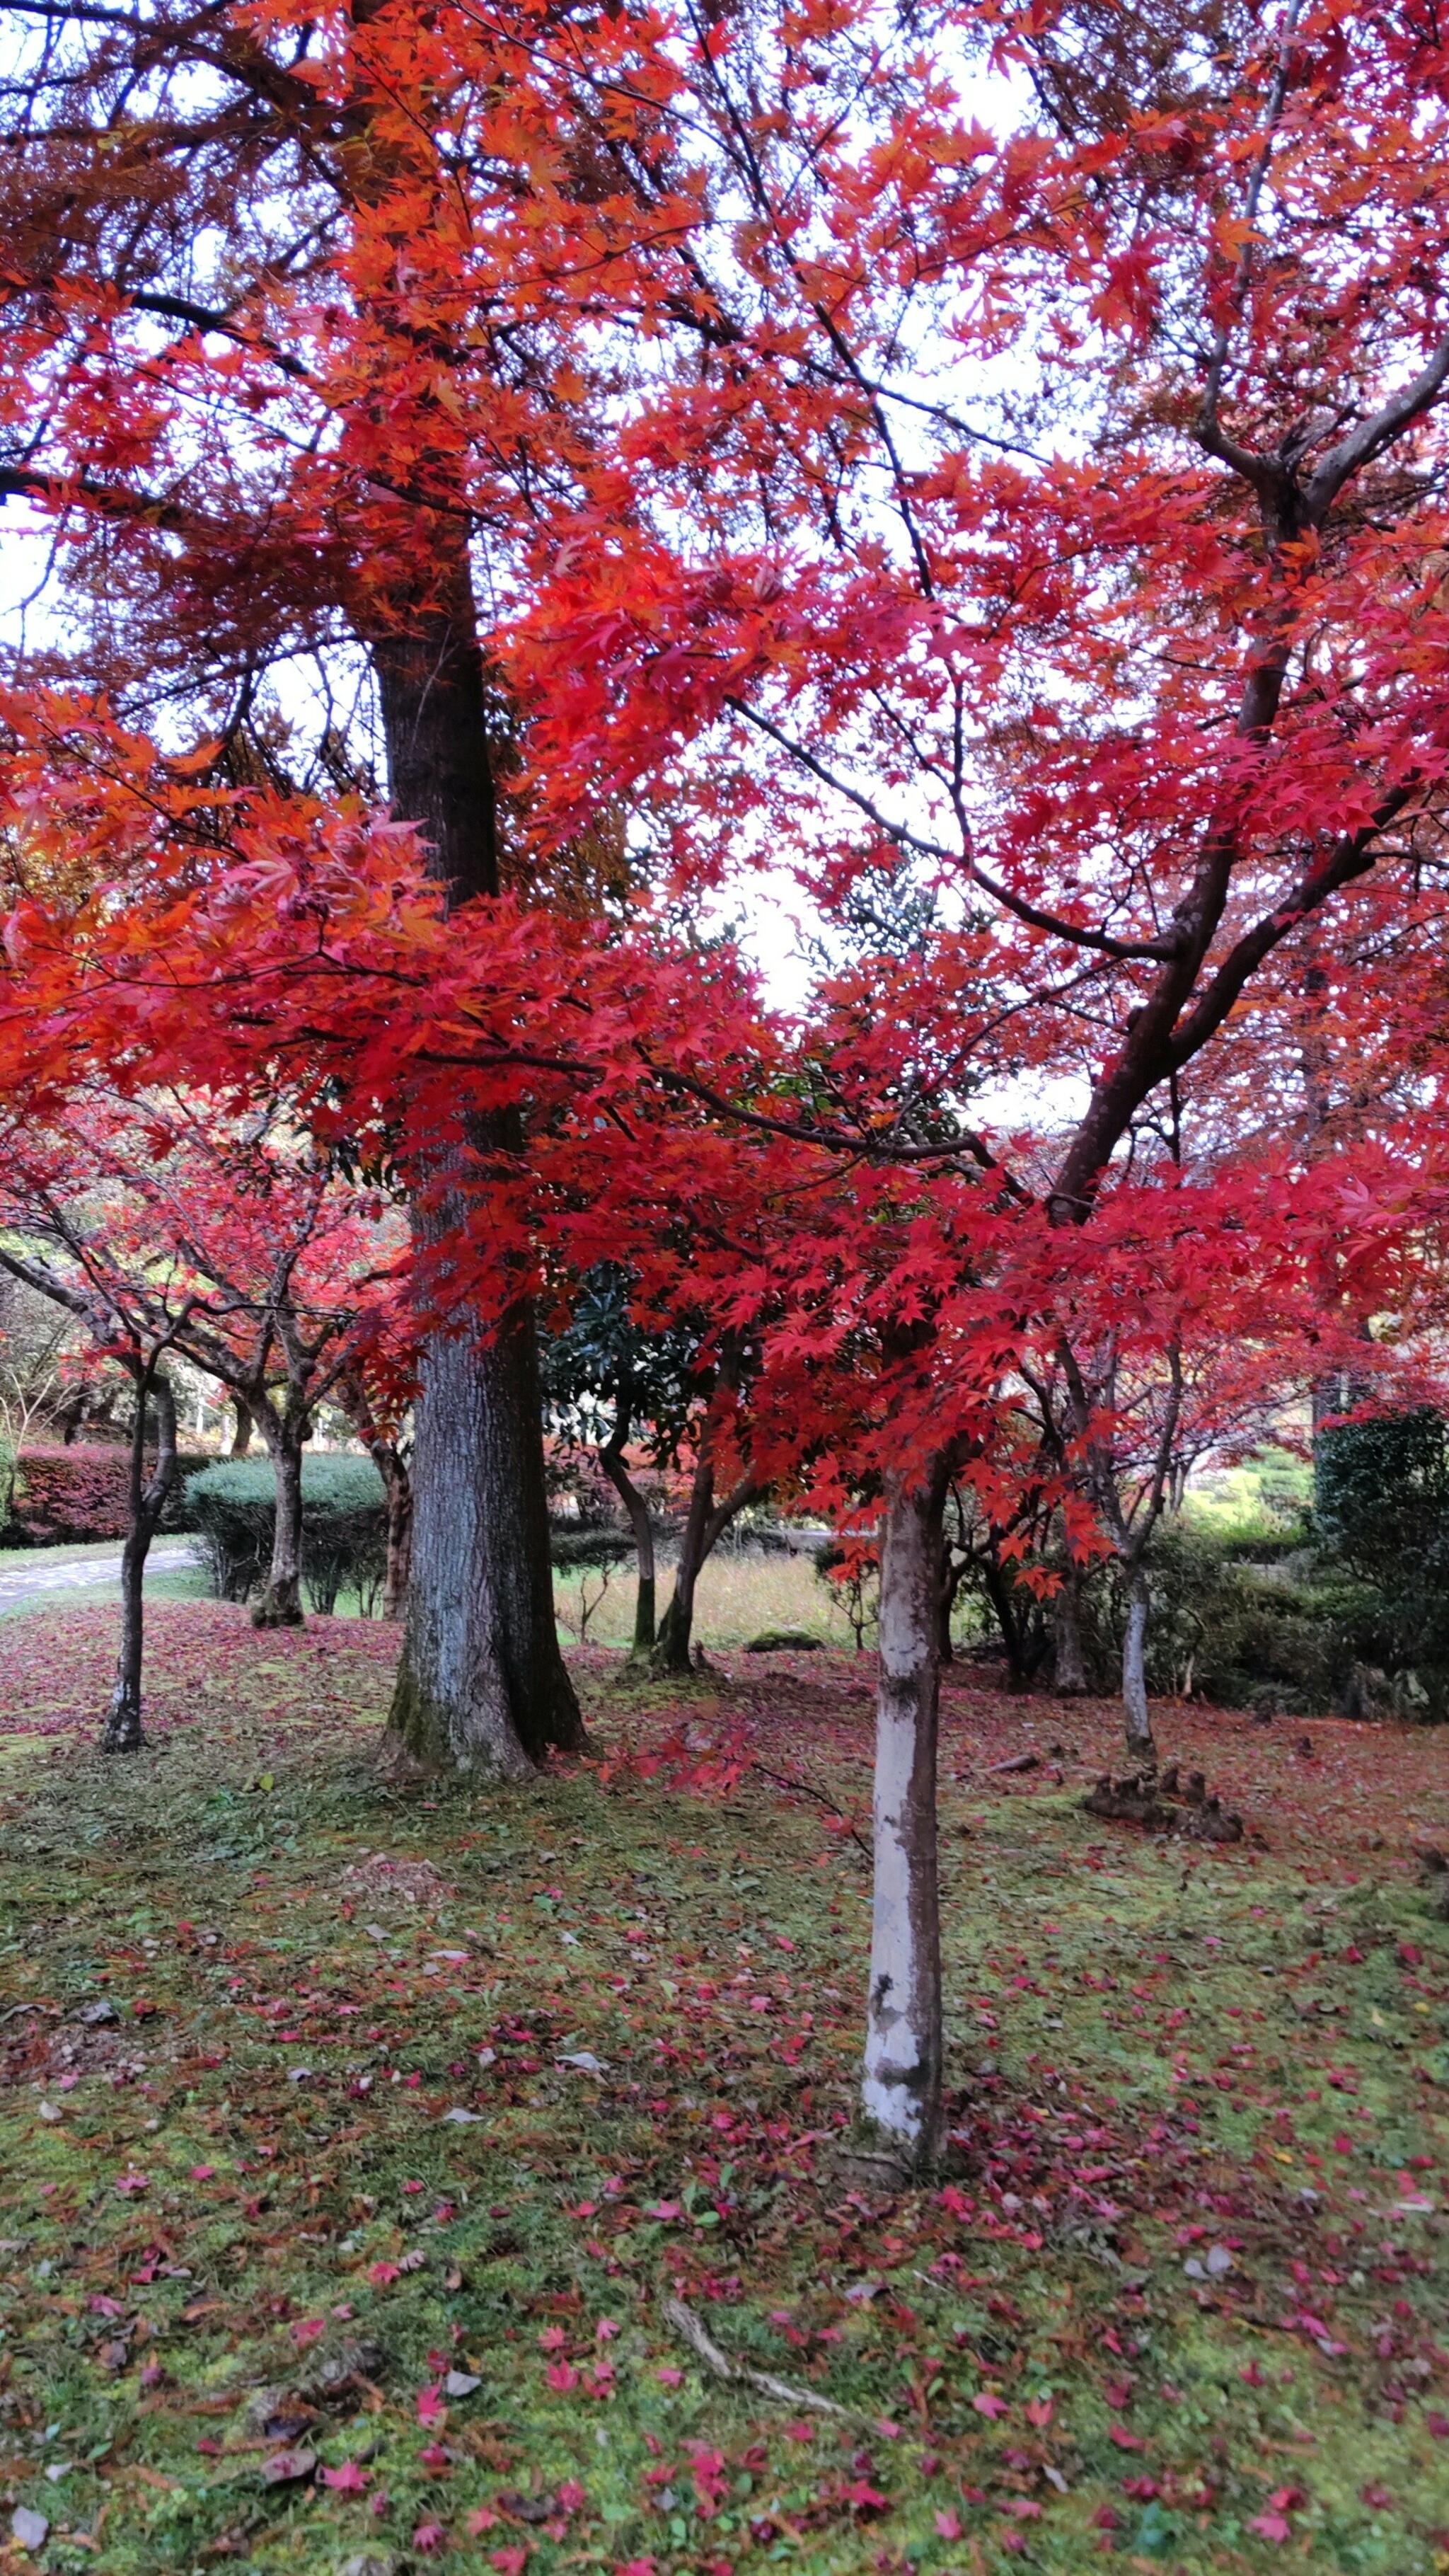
point(227, 1899)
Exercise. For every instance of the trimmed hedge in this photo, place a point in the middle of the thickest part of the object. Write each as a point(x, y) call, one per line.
point(79, 1494)
point(344, 1527)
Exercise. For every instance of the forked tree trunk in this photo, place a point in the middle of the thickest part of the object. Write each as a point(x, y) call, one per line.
point(1140, 1744)
point(482, 1684)
point(643, 1529)
point(279, 1603)
point(482, 1681)
point(705, 1525)
point(1069, 1676)
point(901, 2091)
point(241, 1434)
point(145, 1504)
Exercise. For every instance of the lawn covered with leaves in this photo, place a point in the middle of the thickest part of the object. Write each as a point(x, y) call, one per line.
point(368, 2155)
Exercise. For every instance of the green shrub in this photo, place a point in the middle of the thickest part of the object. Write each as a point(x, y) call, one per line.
point(344, 1527)
point(574, 1549)
point(1382, 1508)
point(1285, 1632)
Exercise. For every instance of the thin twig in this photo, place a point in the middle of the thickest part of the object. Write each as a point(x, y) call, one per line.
point(688, 2326)
point(807, 1789)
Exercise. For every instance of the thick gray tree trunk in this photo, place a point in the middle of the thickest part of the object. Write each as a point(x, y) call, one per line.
point(901, 2092)
point(145, 1504)
point(482, 1685)
point(481, 1682)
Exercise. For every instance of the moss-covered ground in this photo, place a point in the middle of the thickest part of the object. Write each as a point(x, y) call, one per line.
point(354, 2142)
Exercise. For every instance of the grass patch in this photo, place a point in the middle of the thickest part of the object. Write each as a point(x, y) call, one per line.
point(1184, 2285)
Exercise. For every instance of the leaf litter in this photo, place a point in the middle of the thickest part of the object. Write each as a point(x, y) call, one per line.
point(1178, 2301)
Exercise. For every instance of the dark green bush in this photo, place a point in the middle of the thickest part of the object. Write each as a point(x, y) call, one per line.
point(1286, 1632)
point(344, 1527)
point(1382, 1509)
point(573, 1548)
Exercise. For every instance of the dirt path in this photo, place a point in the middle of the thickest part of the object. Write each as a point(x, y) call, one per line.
point(57, 1573)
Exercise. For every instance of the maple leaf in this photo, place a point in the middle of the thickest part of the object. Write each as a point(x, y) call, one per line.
point(1271, 2526)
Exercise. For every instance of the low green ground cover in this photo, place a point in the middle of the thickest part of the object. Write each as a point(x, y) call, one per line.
point(356, 2142)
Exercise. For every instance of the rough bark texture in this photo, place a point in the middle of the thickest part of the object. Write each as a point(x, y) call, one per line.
point(643, 1529)
point(1069, 1675)
point(145, 1503)
point(481, 1683)
point(901, 2095)
point(1134, 1669)
point(241, 1435)
point(279, 1603)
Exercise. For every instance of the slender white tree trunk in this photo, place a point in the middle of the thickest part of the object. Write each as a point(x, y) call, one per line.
point(1140, 1742)
point(901, 2090)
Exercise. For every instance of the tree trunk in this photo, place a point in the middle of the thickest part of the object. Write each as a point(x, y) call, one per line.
point(998, 1593)
point(706, 1523)
point(279, 1603)
point(901, 2092)
point(387, 1458)
point(1140, 1744)
point(241, 1435)
point(399, 1538)
point(145, 1503)
point(1070, 1664)
point(482, 1682)
point(947, 1587)
point(671, 1645)
point(643, 1529)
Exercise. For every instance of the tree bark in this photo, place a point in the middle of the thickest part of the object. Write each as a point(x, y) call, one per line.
point(145, 1504)
point(1069, 1676)
point(241, 1435)
point(947, 1586)
point(901, 2091)
point(1140, 1743)
point(998, 1593)
point(706, 1523)
point(279, 1603)
point(482, 1685)
point(399, 1538)
point(482, 1681)
point(397, 1485)
point(643, 1529)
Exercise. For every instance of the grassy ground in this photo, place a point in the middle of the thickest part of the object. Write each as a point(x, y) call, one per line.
point(1180, 2302)
point(12, 1558)
point(738, 1597)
